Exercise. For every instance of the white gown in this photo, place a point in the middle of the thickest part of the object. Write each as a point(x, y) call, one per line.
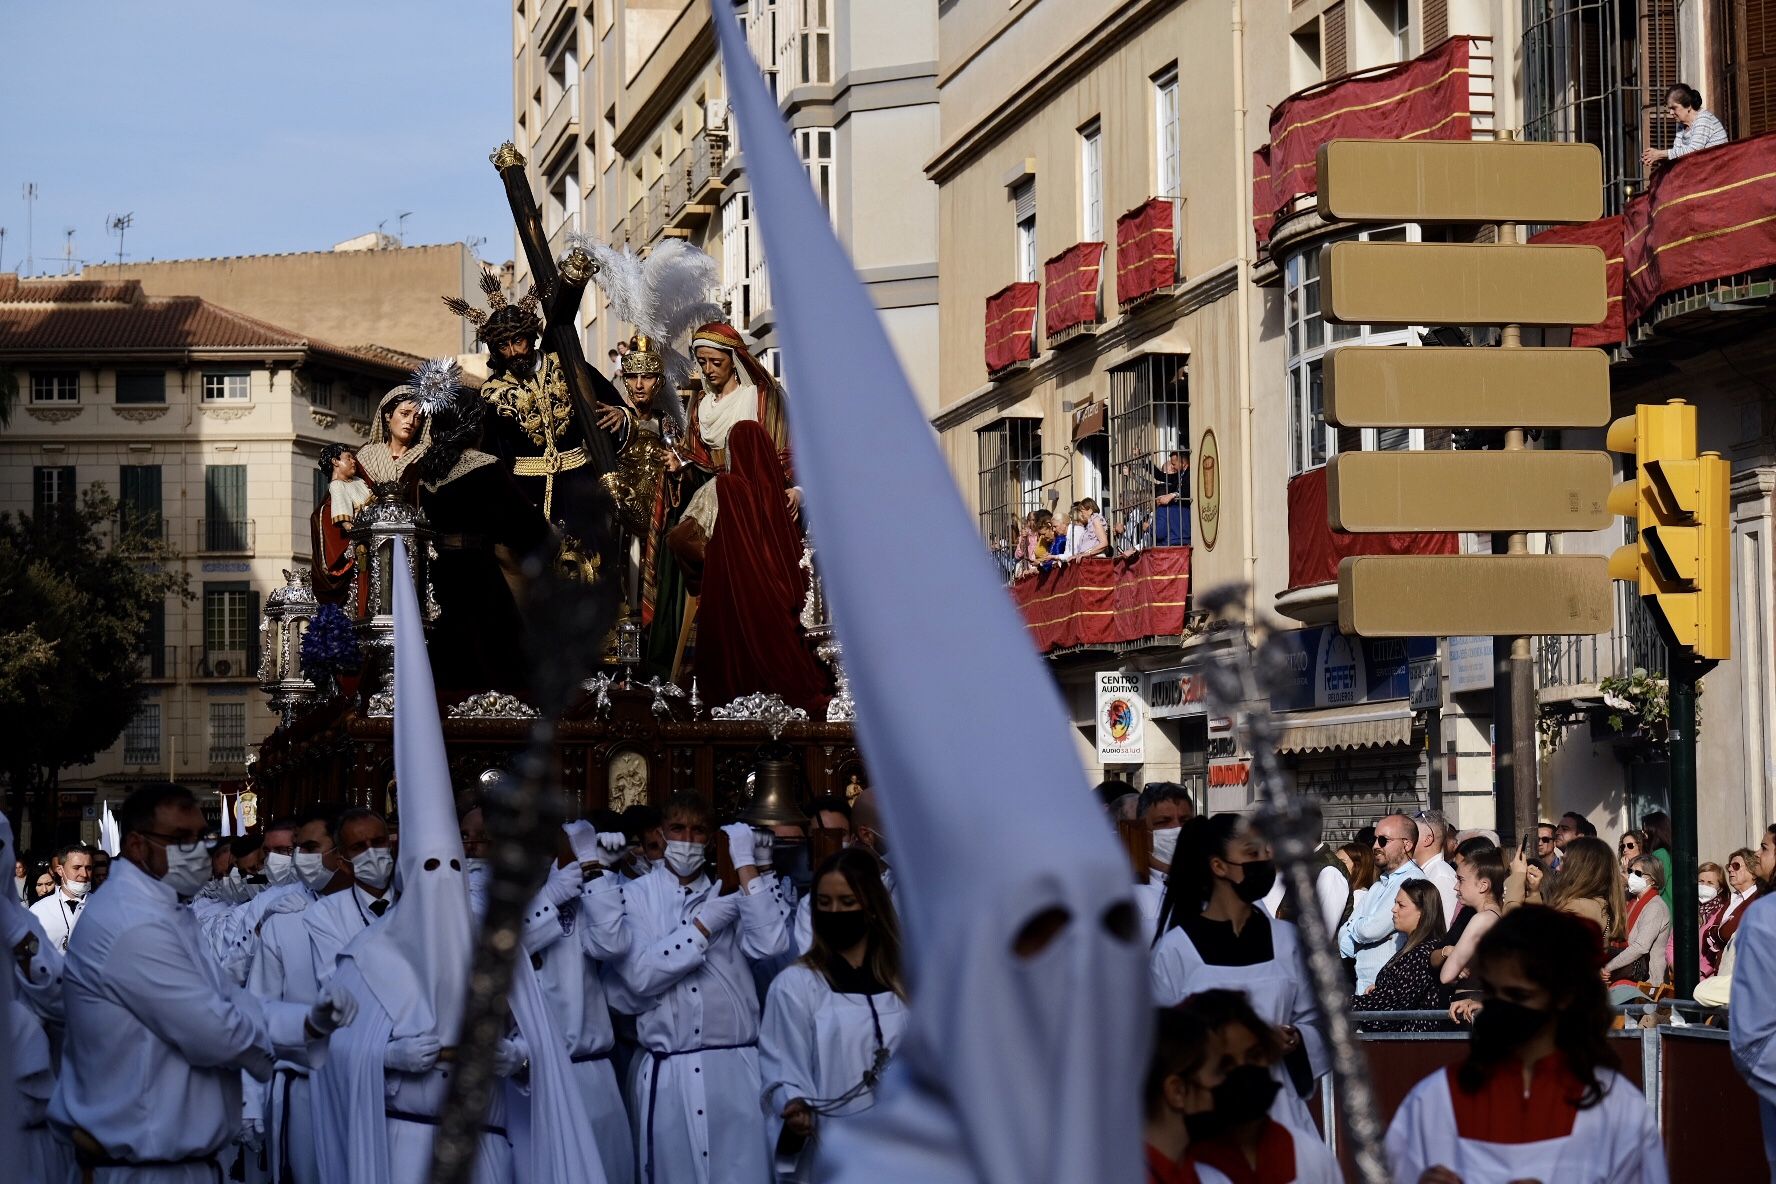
point(1615, 1142)
point(284, 968)
point(696, 1076)
point(817, 1043)
point(1279, 991)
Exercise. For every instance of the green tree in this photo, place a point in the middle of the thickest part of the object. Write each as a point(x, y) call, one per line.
point(76, 589)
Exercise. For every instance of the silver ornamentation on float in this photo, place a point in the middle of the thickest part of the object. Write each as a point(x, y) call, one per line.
point(599, 687)
point(373, 532)
point(662, 692)
point(492, 705)
point(282, 625)
point(769, 709)
point(818, 624)
point(381, 705)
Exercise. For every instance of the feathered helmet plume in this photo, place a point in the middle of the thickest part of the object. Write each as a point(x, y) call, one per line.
point(665, 296)
point(501, 321)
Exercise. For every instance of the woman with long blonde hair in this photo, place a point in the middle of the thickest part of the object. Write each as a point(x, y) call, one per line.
point(1589, 885)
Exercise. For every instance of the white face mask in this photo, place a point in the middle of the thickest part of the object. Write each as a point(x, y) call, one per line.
point(685, 859)
point(76, 890)
point(1165, 843)
point(312, 869)
point(279, 868)
point(1637, 883)
point(187, 871)
point(1706, 892)
point(373, 867)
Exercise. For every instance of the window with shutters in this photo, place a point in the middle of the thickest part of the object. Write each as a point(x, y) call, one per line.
point(1023, 199)
point(138, 500)
point(1436, 23)
point(1010, 476)
point(1332, 36)
point(737, 252)
point(1091, 183)
point(141, 736)
point(815, 146)
point(225, 524)
point(52, 487)
point(231, 630)
point(1751, 73)
point(152, 646)
point(1168, 162)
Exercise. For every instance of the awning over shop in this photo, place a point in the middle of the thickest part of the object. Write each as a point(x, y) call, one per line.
point(1361, 725)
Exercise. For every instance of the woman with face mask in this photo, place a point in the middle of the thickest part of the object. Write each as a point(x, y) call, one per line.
point(1237, 1137)
point(1642, 960)
point(1711, 903)
point(1181, 1078)
point(833, 1018)
point(1538, 1096)
point(1211, 934)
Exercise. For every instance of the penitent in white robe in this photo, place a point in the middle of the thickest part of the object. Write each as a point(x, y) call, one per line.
point(818, 1043)
point(1614, 1142)
point(284, 967)
point(1279, 991)
point(696, 1076)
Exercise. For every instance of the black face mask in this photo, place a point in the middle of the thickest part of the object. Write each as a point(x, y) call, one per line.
point(792, 861)
point(840, 931)
point(1503, 1025)
point(257, 878)
point(1260, 878)
point(1243, 1096)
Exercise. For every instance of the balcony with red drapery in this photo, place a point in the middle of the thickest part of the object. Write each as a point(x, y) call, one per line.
point(1315, 548)
point(1108, 601)
point(1146, 251)
point(1011, 325)
point(1071, 303)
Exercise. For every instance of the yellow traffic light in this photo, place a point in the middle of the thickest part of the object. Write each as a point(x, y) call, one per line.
point(1680, 504)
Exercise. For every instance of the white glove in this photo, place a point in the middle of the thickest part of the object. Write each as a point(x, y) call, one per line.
point(509, 1056)
point(611, 849)
point(741, 842)
point(412, 1054)
point(763, 843)
point(252, 1135)
point(338, 1009)
point(292, 900)
point(563, 884)
point(718, 913)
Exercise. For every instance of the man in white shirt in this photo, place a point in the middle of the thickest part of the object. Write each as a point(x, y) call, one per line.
point(687, 971)
point(1369, 936)
point(1433, 830)
point(1696, 129)
point(60, 910)
point(157, 1039)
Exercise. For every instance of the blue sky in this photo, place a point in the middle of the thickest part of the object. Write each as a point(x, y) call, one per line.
point(248, 127)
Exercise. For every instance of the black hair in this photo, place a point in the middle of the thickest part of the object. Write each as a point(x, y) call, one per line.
point(284, 823)
point(331, 453)
point(1470, 848)
point(639, 819)
point(1581, 824)
point(689, 805)
point(1223, 1007)
point(1180, 1046)
point(605, 821)
point(136, 815)
point(322, 812)
point(1155, 792)
point(456, 428)
point(831, 804)
point(1112, 789)
point(1190, 881)
point(1685, 94)
point(245, 845)
point(63, 852)
point(882, 957)
point(1561, 953)
point(1657, 827)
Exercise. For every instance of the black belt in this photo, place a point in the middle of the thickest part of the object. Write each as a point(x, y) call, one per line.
point(580, 1058)
point(432, 1120)
point(654, 1086)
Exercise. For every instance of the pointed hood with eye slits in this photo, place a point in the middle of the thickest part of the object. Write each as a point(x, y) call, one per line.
point(1013, 1069)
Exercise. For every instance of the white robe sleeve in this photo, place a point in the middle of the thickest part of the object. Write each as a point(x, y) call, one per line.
point(787, 1058)
point(1171, 969)
point(1637, 1153)
point(766, 922)
point(179, 1003)
point(1413, 1138)
point(542, 926)
point(1305, 1015)
point(653, 964)
point(602, 935)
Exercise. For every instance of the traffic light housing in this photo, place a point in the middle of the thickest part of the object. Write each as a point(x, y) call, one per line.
point(1681, 561)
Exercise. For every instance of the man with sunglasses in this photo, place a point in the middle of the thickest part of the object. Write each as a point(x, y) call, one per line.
point(158, 1038)
point(1369, 935)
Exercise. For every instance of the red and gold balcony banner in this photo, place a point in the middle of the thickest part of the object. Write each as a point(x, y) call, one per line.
point(1072, 282)
point(1315, 548)
point(1146, 250)
point(1705, 217)
point(1426, 98)
point(1011, 325)
point(1606, 235)
point(1105, 601)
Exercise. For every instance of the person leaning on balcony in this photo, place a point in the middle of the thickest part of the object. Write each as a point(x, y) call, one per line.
point(1696, 128)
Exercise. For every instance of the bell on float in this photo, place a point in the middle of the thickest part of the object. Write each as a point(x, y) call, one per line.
point(773, 803)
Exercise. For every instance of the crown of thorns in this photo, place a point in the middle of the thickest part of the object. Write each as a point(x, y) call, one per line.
point(501, 320)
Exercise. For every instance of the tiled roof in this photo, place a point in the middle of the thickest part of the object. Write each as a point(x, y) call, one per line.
point(111, 317)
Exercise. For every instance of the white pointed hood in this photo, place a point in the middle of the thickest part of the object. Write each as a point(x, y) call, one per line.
point(417, 959)
point(1016, 1070)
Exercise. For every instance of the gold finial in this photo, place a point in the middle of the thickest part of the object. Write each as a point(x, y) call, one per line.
point(506, 155)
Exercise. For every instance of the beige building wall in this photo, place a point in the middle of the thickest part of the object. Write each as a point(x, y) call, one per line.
point(390, 297)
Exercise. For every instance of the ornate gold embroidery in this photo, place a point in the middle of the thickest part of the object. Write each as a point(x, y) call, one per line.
point(543, 410)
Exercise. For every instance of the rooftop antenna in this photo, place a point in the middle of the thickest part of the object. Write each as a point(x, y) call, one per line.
point(30, 201)
point(2, 248)
point(67, 250)
point(401, 226)
point(119, 225)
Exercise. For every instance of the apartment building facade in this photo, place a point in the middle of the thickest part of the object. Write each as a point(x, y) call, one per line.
point(620, 110)
point(209, 424)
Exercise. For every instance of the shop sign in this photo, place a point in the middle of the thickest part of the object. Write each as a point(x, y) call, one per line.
point(1326, 668)
point(1426, 690)
point(1230, 765)
point(1122, 719)
point(1175, 693)
point(1470, 664)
